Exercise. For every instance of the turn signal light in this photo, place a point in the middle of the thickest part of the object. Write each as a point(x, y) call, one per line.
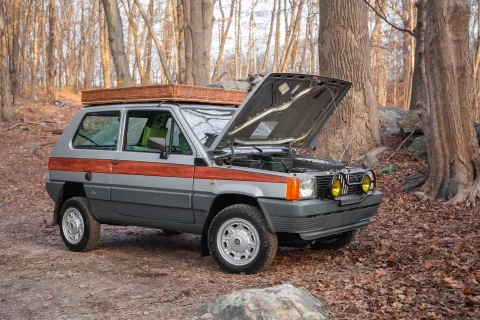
point(293, 189)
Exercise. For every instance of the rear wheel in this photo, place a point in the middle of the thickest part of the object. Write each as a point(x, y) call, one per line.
point(333, 242)
point(79, 229)
point(239, 240)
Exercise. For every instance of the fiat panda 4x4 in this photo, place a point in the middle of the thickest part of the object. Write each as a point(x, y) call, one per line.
point(229, 174)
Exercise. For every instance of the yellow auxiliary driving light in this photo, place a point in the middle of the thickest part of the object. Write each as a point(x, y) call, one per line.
point(366, 184)
point(336, 187)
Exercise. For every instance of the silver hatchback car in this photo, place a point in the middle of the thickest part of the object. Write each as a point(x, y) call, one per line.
point(229, 174)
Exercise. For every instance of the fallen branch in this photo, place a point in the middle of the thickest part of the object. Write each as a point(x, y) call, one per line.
point(15, 125)
point(403, 142)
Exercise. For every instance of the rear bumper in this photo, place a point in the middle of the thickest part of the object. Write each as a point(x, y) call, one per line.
point(313, 219)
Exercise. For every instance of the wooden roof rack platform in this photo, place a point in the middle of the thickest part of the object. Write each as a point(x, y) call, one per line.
point(163, 92)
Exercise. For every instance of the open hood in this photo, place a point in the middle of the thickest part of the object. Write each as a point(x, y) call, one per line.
point(283, 109)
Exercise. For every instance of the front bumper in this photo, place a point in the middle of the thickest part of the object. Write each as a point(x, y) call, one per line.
point(313, 219)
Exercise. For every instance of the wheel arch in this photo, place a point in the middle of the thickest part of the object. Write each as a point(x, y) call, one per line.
point(222, 201)
point(69, 190)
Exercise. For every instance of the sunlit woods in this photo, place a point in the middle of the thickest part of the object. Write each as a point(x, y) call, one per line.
point(247, 37)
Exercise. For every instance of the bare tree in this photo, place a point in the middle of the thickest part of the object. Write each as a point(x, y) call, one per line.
point(5, 84)
point(418, 84)
point(343, 51)
point(51, 94)
point(117, 46)
point(35, 55)
point(224, 34)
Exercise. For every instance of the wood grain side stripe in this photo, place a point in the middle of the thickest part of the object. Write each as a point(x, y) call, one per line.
point(158, 169)
point(80, 165)
point(153, 169)
point(239, 175)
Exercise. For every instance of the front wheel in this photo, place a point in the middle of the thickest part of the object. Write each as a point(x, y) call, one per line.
point(239, 240)
point(79, 229)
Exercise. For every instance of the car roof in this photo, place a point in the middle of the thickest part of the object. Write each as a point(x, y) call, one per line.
point(180, 105)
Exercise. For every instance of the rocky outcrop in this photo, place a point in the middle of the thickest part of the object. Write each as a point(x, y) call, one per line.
point(388, 118)
point(418, 149)
point(275, 303)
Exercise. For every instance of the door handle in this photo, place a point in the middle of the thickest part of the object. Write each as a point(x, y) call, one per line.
point(115, 162)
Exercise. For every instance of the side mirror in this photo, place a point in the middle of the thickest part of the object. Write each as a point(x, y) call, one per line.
point(157, 143)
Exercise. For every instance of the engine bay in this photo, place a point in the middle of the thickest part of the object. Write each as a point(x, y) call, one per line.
point(283, 162)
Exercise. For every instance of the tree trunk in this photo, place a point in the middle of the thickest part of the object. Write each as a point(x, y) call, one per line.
point(238, 43)
point(115, 38)
point(269, 41)
point(376, 54)
point(344, 53)
point(51, 94)
point(197, 15)
point(223, 39)
point(276, 52)
point(447, 116)
point(181, 53)
point(35, 55)
point(15, 51)
point(295, 29)
point(5, 84)
point(104, 50)
point(418, 85)
point(407, 61)
point(148, 42)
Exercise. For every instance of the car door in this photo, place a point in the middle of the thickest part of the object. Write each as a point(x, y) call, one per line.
point(149, 188)
point(89, 158)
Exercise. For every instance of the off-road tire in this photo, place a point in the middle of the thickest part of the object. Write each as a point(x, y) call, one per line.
point(91, 233)
point(333, 243)
point(268, 242)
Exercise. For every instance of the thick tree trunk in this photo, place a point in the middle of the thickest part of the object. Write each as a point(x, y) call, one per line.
point(181, 50)
point(5, 84)
point(115, 38)
point(447, 114)
point(198, 22)
point(418, 85)
point(15, 51)
point(407, 61)
point(344, 53)
point(52, 20)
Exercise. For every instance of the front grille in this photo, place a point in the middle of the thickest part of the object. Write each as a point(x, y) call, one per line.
point(323, 182)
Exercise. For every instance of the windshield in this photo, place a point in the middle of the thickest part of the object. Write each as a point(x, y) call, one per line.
point(207, 124)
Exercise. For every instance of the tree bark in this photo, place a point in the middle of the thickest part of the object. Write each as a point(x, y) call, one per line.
point(197, 24)
point(35, 55)
point(270, 33)
point(52, 20)
point(15, 51)
point(5, 84)
point(344, 53)
point(418, 85)
point(117, 46)
point(376, 54)
point(104, 50)
point(447, 115)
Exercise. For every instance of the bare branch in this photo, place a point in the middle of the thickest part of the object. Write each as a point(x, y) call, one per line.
point(386, 20)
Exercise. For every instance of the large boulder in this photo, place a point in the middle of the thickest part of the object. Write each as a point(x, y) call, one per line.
point(418, 149)
point(275, 303)
point(388, 118)
point(408, 121)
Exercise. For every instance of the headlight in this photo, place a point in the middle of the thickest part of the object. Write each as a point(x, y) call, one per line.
point(336, 187)
point(301, 188)
point(307, 188)
point(369, 182)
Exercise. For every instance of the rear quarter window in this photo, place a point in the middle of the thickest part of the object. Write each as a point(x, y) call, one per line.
point(98, 130)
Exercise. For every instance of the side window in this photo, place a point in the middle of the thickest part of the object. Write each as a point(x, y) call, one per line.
point(142, 125)
point(98, 130)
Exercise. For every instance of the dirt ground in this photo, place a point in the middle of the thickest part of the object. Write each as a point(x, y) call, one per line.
point(417, 259)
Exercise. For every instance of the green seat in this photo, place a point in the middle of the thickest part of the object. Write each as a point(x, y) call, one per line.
point(150, 132)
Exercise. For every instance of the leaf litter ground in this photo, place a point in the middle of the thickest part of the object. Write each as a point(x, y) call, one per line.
point(416, 260)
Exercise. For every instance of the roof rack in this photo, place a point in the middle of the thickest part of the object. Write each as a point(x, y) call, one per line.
point(162, 93)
